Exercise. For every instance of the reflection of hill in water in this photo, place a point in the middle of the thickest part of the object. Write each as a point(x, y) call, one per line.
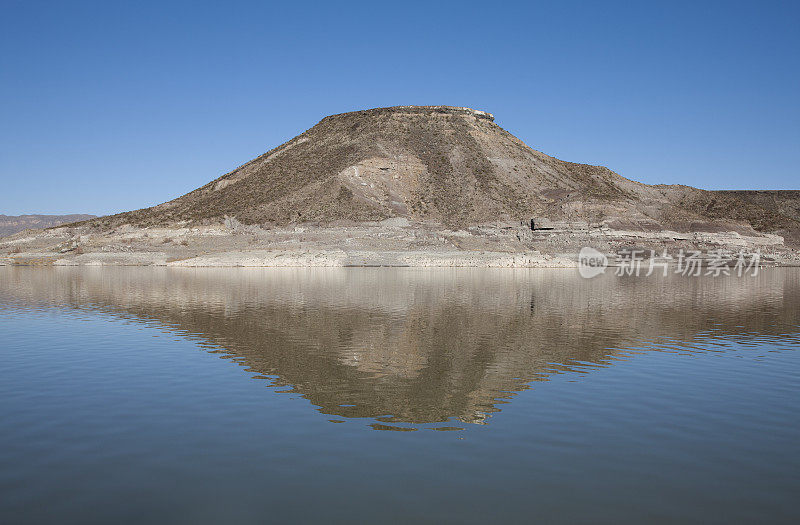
point(419, 345)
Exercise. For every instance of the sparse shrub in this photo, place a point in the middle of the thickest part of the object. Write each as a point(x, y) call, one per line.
point(345, 194)
point(184, 242)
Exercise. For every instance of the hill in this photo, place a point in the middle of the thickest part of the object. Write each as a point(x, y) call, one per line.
point(452, 167)
point(419, 186)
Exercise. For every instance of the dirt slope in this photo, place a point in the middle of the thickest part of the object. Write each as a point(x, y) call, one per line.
point(452, 167)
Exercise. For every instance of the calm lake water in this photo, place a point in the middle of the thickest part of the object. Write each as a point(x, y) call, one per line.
point(147, 395)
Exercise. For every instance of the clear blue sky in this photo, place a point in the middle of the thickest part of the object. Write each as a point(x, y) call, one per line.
point(109, 106)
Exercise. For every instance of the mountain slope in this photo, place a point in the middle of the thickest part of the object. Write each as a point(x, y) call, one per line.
point(447, 166)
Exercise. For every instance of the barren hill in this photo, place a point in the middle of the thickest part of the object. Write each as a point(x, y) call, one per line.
point(449, 166)
point(419, 186)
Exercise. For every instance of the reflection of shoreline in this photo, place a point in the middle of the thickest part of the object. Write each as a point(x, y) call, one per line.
point(418, 345)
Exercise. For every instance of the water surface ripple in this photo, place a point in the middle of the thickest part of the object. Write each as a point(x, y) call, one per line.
point(138, 395)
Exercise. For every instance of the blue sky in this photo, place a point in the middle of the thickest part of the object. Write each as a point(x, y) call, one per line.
point(111, 106)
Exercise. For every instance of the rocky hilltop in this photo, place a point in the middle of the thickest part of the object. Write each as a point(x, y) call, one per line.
point(427, 178)
point(450, 166)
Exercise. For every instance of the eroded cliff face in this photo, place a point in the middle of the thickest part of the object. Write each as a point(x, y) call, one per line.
point(443, 166)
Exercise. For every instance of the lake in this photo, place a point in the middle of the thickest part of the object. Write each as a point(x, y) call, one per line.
point(157, 395)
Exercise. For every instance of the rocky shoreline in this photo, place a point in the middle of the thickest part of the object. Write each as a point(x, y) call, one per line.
point(393, 242)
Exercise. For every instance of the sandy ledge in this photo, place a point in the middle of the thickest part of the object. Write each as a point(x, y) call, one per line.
point(387, 243)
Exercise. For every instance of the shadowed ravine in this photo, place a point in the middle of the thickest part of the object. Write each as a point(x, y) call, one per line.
point(421, 346)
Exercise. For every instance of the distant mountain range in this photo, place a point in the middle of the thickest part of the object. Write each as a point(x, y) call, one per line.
point(11, 224)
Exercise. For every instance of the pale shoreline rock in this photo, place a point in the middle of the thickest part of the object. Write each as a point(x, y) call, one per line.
point(389, 243)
